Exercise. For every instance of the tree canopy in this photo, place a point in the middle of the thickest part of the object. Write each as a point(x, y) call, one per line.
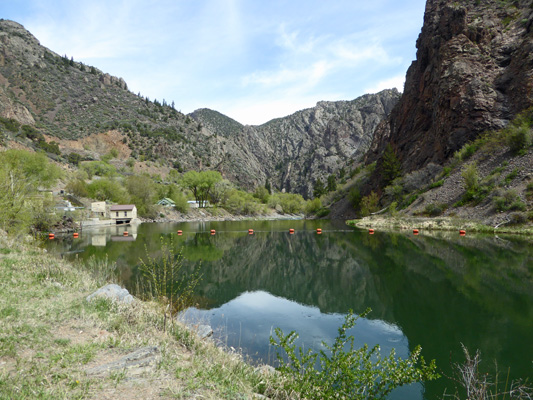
point(200, 184)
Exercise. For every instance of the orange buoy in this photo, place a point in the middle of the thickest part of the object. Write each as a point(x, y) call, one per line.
point(213, 231)
point(291, 231)
point(371, 231)
point(319, 231)
point(462, 232)
point(125, 233)
point(415, 231)
point(180, 233)
point(51, 236)
point(75, 235)
point(250, 231)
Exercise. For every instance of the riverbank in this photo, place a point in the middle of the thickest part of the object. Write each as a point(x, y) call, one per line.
point(216, 214)
point(52, 340)
point(390, 223)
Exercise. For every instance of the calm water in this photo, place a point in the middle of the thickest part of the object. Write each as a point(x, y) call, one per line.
point(437, 291)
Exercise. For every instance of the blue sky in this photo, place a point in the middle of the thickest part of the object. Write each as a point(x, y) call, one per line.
point(252, 60)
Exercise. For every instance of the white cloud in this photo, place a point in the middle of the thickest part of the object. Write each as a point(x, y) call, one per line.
point(229, 54)
point(394, 82)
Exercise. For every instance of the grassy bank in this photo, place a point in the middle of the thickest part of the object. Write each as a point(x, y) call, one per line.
point(51, 338)
point(435, 224)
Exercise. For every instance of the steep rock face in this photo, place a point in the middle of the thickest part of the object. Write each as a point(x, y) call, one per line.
point(473, 73)
point(294, 151)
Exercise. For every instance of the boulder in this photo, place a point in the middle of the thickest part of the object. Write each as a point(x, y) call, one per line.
point(113, 292)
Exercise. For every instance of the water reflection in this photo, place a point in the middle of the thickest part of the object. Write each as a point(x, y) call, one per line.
point(248, 321)
point(434, 290)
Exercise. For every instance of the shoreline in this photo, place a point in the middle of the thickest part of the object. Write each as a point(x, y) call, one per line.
point(436, 224)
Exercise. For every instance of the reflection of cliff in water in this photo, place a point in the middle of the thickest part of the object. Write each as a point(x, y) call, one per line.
point(440, 292)
point(337, 272)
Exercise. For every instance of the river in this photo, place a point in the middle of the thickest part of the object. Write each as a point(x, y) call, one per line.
point(439, 290)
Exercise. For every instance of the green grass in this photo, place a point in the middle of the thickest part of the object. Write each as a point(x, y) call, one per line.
point(49, 335)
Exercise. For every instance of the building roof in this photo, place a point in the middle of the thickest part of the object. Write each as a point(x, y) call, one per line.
point(122, 207)
point(166, 200)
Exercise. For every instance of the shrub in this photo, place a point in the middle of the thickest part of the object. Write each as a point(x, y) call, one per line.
point(355, 197)
point(392, 209)
point(529, 191)
point(466, 151)
point(290, 203)
point(242, 203)
point(164, 280)
point(436, 184)
point(345, 372)
point(74, 158)
point(479, 385)
point(77, 187)
point(313, 206)
point(434, 210)
point(262, 194)
point(471, 177)
point(508, 200)
point(107, 189)
point(518, 218)
point(395, 190)
point(519, 139)
point(98, 168)
point(509, 178)
point(180, 201)
point(369, 204)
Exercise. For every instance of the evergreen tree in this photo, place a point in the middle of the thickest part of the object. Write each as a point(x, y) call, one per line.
point(391, 167)
point(332, 183)
point(268, 187)
point(319, 189)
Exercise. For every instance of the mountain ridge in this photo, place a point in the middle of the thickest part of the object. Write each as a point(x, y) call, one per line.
point(62, 100)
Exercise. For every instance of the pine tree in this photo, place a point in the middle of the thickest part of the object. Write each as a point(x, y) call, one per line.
point(391, 167)
point(332, 183)
point(319, 189)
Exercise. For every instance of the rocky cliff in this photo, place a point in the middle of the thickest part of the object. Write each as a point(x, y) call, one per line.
point(293, 152)
point(473, 73)
point(89, 112)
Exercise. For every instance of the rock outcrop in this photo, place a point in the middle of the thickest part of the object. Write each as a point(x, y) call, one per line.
point(473, 73)
point(294, 151)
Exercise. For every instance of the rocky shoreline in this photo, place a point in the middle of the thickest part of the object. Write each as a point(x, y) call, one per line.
point(217, 214)
point(388, 223)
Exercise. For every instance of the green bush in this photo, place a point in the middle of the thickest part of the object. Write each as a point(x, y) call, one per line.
point(262, 194)
point(519, 138)
point(342, 372)
point(466, 151)
point(181, 201)
point(518, 218)
point(508, 200)
point(471, 177)
point(290, 203)
point(107, 189)
point(77, 187)
point(369, 204)
point(434, 210)
point(313, 206)
point(98, 168)
point(21, 205)
point(242, 203)
point(355, 197)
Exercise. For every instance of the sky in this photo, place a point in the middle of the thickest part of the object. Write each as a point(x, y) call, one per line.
point(252, 60)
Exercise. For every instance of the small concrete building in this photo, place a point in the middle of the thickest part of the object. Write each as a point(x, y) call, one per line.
point(98, 208)
point(123, 213)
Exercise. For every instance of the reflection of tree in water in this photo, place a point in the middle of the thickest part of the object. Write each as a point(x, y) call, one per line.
point(201, 249)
